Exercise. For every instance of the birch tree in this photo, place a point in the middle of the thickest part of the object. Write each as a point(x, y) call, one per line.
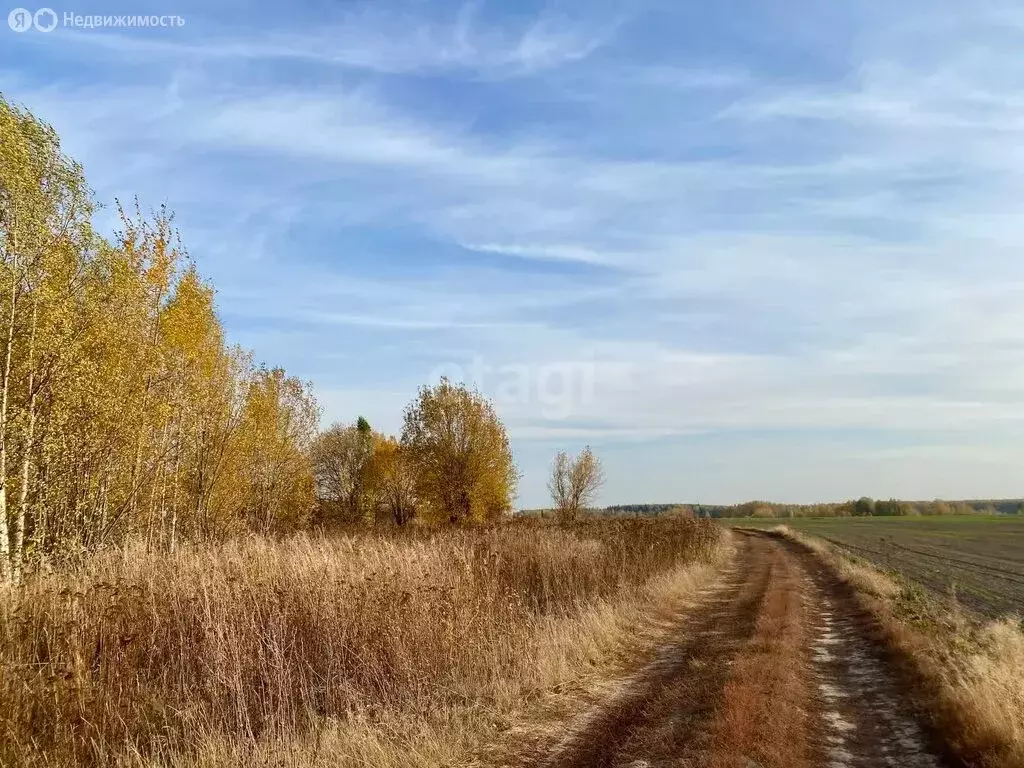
point(44, 238)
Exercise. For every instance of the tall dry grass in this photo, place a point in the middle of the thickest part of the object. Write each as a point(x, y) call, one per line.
point(342, 645)
point(971, 670)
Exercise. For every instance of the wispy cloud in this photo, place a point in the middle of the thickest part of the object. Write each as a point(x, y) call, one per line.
point(374, 38)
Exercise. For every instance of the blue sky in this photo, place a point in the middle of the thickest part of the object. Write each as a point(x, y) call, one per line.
point(743, 249)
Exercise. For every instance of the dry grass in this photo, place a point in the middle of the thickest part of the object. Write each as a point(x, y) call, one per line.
point(985, 686)
point(359, 649)
point(971, 672)
point(859, 575)
point(763, 716)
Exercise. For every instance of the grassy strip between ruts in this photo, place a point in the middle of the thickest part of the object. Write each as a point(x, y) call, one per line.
point(971, 671)
point(764, 713)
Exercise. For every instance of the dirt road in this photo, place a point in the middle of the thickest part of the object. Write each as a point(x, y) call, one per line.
point(775, 668)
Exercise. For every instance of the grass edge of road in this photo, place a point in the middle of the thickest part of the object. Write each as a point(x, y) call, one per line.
point(970, 671)
point(629, 638)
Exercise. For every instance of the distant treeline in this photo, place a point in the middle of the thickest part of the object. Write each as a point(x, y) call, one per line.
point(862, 507)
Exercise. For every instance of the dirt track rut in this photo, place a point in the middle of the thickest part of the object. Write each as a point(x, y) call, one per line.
point(775, 668)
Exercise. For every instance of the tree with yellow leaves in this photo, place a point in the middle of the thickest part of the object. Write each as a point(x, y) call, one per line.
point(391, 480)
point(45, 238)
point(460, 454)
point(279, 422)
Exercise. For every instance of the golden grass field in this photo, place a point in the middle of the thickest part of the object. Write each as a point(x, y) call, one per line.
point(353, 649)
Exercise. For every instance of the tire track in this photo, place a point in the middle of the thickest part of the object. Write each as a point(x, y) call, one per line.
point(777, 670)
point(866, 713)
point(674, 697)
